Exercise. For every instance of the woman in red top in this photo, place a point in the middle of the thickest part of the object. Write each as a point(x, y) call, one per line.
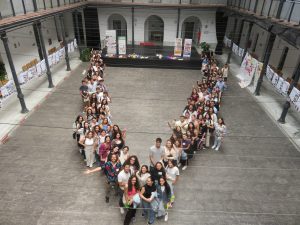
point(104, 150)
point(129, 191)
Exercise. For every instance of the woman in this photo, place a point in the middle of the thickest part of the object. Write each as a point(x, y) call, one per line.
point(164, 197)
point(147, 198)
point(89, 115)
point(178, 149)
point(194, 95)
point(105, 125)
point(185, 144)
point(220, 131)
point(89, 145)
point(209, 126)
point(158, 172)
point(170, 153)
point(118, 141)
point(172, 175)
point(134, 164)
point(104, 150)
point(143, 175)
point(124, 154)
point(131, 191)
point(78, 127)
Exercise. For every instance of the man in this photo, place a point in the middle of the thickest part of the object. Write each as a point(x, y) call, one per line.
point(220, 84)
point(111, 169)
point(123, 178)
point(156, 153)
point(84, 93)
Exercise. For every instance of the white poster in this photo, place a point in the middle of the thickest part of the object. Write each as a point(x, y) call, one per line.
point(122, 45)
point(275, 79)
point(22, 78)
point(178, 47)
point(31, 72)
point(50, 59)
point(43, 65)
point(269, 73)
point(110, 40)
point(38, 69)
point(295, 98)
point(57, 58)
point(187, 50)
point(247, 70)
point(285, 87)
point(241, 52)
point(279, 84)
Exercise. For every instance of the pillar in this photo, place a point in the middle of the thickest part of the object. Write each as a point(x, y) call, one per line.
point(77, 29)
point(14, 74)
point(40, 33)
point(265, 62)
point(247, 38)
point(62, 25)
point(232, 40)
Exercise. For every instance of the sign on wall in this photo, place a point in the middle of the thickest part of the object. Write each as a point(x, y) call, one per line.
point(122, 45)
point(178, 47)
point(110, 41)
point(187, 48)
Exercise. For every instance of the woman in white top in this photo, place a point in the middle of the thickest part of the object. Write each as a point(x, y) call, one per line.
point(143, 175)
point(220, 131)
point(178, 149)
point(170, 153)
point(224, 71)
point(172, 175)
point(124, 154)
point(89, 148)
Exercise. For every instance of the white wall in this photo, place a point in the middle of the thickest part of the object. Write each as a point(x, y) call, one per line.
point(169, 16)
point(23, 46)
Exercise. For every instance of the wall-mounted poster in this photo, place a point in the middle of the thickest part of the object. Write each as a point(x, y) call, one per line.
point(122, 45)
point(110, 41)
point(187, 50)
point(178, 47)
point(247, 70)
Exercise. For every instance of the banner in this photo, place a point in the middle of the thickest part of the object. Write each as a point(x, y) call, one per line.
point(257, 73)
point(122, 45)
point(110, 40)
point(295, 98)
point(178, 47)
point(241, 52)
point(247, 70)
point(187, 50)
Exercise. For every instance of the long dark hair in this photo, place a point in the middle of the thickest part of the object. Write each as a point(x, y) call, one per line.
point(167, 186)
point(137, 186)
point(136, 162)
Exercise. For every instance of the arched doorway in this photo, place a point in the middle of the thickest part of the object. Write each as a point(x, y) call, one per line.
point(191, 28)
point(117, 22)
point(154, 29)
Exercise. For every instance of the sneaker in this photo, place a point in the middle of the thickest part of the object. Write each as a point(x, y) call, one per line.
point(122, 210)
point(213, 147)
point(149, 223)
point(166, 217)
point(107, 199)
point(217, 149)
point(184, 168)
point(179, 165)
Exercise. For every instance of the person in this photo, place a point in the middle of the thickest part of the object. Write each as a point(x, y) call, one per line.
point(185, 146)
point(134, 164)
point(111, 170)
point(220, 131)
point(169, 153)
point(157, 172)
point(156, 153)
point(84, 93)
point(172, 175)
point(164, 197)
point(89, 148)
point(104, 150)
point(124, 154)
point(123, 178)
point(220, 84)
point(143, 175)
point(225, 70)
point(131, 192)
point(147, 197)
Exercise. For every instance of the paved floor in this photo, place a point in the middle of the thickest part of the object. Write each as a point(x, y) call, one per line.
point(254, 179)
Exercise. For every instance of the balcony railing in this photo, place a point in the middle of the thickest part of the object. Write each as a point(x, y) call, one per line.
point(290, 11)
point(10, 8)
point(175, 2)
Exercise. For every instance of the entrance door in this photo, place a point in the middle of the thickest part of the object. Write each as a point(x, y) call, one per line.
point(118, 27)
point(189, 30)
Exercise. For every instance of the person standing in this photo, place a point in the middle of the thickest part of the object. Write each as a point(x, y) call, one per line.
point(220, 131)
point(123, 178)
point(147, 197)
point(89, 148)
point(156, 153)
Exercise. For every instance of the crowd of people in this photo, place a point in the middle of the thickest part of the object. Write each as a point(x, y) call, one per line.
point(103, 147)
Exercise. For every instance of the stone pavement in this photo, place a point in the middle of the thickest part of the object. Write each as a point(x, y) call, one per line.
point(254, 178)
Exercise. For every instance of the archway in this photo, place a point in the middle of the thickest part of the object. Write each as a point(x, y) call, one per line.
point(154, 29)
point(191, 28)
point(117, 22)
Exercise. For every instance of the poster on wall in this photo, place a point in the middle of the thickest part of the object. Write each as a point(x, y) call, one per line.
point(178, 47)
point(295, 98)
point(187, 50)
point(247, 70)
point(110, 42)
point(122, 45)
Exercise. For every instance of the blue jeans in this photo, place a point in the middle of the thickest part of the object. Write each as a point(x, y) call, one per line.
point(148, 211)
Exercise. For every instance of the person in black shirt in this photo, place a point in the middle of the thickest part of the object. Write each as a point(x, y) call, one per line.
point(158, 172)
point(147, 197)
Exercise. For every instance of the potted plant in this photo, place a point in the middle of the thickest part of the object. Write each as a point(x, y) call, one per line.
point(85, 55)
point(205, 48)
point(3, 73)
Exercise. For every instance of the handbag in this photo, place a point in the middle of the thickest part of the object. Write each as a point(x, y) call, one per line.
point(74, 135)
